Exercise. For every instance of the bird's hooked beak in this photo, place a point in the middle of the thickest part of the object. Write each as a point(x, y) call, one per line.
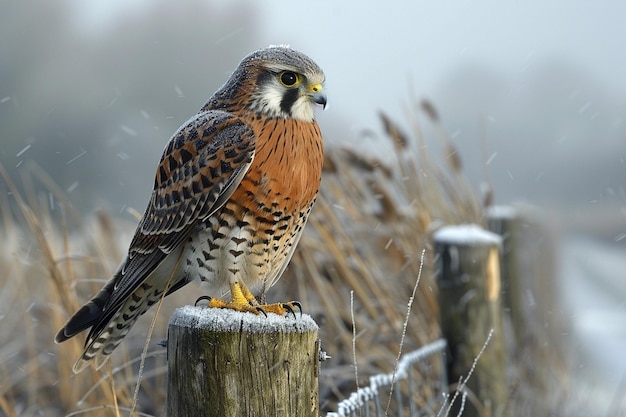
point(317, 95)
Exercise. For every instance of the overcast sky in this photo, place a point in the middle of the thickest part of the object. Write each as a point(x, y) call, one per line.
point(370, 49)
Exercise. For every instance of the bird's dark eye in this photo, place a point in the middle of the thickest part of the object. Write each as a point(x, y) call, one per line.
point(288, 78)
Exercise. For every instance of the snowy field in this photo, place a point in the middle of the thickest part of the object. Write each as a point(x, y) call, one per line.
point(593, 289)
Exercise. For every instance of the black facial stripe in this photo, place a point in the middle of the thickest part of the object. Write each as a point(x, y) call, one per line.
point(264, 77)
point(289, 98)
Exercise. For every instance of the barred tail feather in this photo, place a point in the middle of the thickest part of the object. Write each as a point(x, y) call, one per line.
point(88, 315)
point(101, 345)
point(104, 338)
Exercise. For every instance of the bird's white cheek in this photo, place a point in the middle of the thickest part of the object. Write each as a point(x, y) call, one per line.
point(267, 102)
point(303, 110)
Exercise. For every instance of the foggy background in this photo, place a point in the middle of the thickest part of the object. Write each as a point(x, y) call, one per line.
point(534, 93)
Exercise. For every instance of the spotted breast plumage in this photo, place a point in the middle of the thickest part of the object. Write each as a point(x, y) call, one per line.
point(231, 197)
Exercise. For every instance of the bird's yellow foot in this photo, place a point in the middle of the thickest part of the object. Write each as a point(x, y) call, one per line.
point(282, 308)
point(243, 300)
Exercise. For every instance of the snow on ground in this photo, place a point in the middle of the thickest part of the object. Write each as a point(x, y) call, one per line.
point(593, 288)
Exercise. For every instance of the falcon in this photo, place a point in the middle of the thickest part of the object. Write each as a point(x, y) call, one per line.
point(232, 194)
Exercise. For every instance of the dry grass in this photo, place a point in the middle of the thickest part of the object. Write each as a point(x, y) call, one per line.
point(366, 235)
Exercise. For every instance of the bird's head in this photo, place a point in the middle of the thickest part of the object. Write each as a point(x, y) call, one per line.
point(280, 82)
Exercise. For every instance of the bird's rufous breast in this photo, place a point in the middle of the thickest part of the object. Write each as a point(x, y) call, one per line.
point(287, 166)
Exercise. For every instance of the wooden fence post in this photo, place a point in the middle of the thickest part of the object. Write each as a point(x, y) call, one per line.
point(504, 221)
point(467, 260)
point(223, 363)
point(526, 351)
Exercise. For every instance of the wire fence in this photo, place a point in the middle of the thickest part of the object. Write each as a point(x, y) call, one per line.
point(418, 387)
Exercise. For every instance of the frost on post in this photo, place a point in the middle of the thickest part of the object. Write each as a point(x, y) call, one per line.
point(226, 320)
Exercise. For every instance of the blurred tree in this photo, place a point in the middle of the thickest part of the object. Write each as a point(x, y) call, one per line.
point(94, 108)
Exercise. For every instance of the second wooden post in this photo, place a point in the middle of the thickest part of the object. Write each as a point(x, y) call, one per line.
point(467, 259)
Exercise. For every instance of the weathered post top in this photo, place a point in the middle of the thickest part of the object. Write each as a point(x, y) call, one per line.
point(225, 320)
point(466, 234)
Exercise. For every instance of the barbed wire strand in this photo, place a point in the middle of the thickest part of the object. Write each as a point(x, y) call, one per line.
point(364, 395)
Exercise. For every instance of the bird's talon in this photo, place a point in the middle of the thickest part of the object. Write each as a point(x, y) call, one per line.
point(290, 310)
point(203, 298)
point(261, 310)
point(299, 305)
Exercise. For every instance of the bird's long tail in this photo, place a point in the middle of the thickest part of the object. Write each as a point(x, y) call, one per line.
point(88, 315)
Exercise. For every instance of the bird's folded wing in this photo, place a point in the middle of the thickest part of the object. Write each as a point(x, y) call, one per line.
point(201, 167)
